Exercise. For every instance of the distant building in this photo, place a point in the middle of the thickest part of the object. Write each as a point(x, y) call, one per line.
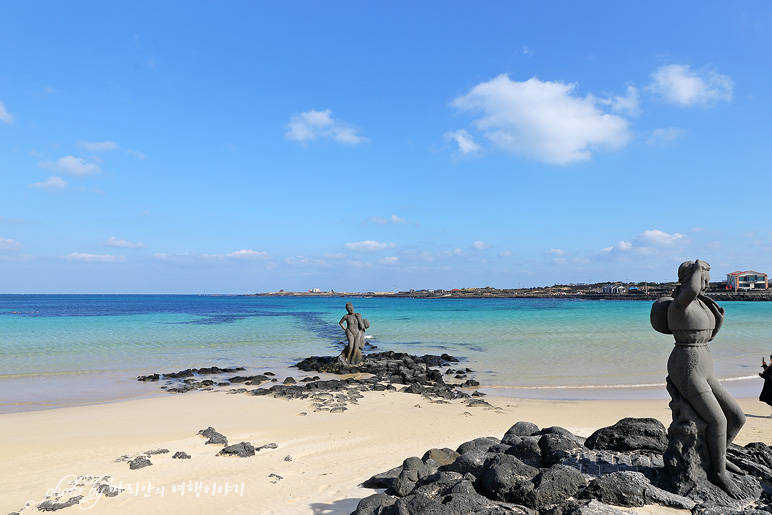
point(748, 280)
point(314, 290)
point(613, 288)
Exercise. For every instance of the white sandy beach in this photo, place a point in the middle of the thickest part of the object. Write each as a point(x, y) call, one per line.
point(331, 453)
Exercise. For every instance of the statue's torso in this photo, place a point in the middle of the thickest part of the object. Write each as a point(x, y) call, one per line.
point(696, 318)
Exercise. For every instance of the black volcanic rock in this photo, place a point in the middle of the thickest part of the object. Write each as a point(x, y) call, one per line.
point(630, 434)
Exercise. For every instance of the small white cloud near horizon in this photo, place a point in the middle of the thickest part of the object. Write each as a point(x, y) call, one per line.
point(393, 219)
point(95, 258)
point(247, 253)
point(505, 253)
point(97, 146)
point(555, 252)
point(389, 260)
point(72, 165)
point(333, 255)
point(9, 244)
point(648, 243)
point(543, 120)
point(665, 135)
point(480, 245)
point(5, 116)
point(464, 140)
point(679, 85)
point(52, 183)
point(312, 125)
point(112, 241)
point(368, 246)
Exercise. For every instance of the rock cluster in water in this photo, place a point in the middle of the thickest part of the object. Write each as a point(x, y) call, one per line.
point(554, 472)
point(387, 370)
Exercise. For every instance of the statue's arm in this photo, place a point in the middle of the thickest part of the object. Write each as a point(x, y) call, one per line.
point(693, 286)
point(360, 323)
point(341, 323)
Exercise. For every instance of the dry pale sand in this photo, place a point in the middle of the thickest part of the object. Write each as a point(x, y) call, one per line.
point(331, 453)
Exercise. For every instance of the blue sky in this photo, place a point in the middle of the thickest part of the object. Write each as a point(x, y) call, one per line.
point(239, 147)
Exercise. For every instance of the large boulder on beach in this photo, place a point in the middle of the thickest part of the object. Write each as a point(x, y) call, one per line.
point(483, 443)
point(504, 476)
point(630, 434)
point(630, 488)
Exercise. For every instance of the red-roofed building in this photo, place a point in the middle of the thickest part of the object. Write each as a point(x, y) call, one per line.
point(748, 280)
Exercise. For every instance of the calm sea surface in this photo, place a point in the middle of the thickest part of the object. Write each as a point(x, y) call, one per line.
point(65, 349)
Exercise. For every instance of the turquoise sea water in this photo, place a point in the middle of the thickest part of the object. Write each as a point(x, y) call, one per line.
point(63, 349)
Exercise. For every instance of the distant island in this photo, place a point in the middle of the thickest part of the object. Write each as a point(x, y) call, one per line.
point(596, 291)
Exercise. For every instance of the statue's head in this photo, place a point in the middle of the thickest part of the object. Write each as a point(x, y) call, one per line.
point(349, 308)
point(686, 270)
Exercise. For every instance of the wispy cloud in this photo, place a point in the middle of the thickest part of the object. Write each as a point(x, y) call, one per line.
point(9, 244)
point(679, 85)
point(98, 146)
point(627, 104)
point(665, 135)
point(650, 242)
point(389, 260)
point(5, 116)
point(464, 140)
point(480, 245)
point(555, 252)
point(95, 258)
point(135, 153)
point(115, 242)
point(72, 165)
point(312, 125)
point(393, 219)
point(368, 246)
point(193, 258)
point(543, 120)
point(52, 183)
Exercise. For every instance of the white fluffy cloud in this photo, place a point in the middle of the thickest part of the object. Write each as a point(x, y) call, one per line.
point(389, 260)
point(115, 242)
point(52, 183)
point(623, 104)
point(313, 124)
point(95, 258)
point(555, 252)
point(543, 120)
point(650, 242)
point(98, 146)
point(368, 246)
point(72, 165)
point(678, 84)
point(464, 140)
point(9, 244)
point(480, 245)
point(5, 116)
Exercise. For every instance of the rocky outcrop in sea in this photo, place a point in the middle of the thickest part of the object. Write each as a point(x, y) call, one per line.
point(383, 371)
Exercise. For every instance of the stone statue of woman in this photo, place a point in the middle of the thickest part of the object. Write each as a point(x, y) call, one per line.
point(694, 319)
point(354, 330)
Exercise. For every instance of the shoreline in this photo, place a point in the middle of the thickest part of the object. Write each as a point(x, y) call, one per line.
point(74, 392)
point(331, 454)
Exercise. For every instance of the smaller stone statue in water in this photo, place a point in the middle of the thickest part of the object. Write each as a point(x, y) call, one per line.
point(694, 319)
point(355, 334)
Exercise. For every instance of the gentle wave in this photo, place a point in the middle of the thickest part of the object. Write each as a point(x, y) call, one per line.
point(597, 386)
